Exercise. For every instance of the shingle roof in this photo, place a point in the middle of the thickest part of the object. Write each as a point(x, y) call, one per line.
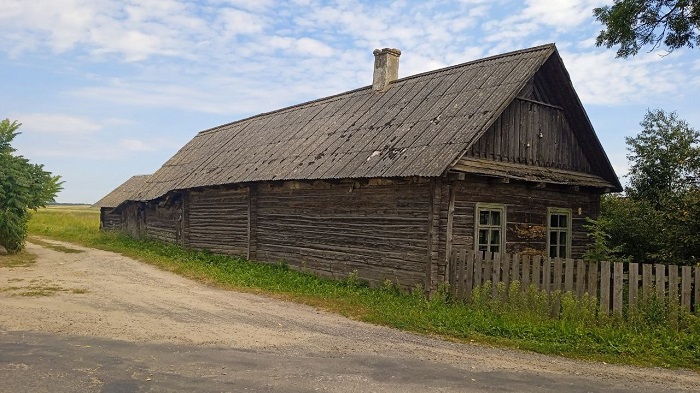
point(419, 127)
point(128, 190)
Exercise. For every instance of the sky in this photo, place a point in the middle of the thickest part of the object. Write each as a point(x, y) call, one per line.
point(108, 89)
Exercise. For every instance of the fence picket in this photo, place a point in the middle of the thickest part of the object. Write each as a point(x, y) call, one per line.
point(646, 281)
point(697, 290)
point(478, 269)
point(547, 275)
point(580, 277)
point(527, 264)
point(569, 275)
point(686, 287)
point(605, 286)
point(618, 286)
point(515, 272)
point(593, 279)
point(506, 265)
point(633, 276)
point(660, 276)
point(469, 279)
point(495, 274)
point(537, 272)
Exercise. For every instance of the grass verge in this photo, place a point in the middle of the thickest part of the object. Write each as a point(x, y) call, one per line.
point(55, 247)
point(21, 259)
point(524, 323)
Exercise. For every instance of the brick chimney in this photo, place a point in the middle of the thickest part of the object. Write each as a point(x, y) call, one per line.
point(386, 68)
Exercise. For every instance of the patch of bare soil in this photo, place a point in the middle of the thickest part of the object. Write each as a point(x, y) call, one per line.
point(107, 295)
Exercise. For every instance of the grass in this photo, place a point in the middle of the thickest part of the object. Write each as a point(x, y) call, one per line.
point(55, 247)
point(649, 338)
point(21, 259)
point(38, 288)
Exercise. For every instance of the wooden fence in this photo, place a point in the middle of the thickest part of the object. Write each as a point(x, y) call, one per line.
point(610, 283)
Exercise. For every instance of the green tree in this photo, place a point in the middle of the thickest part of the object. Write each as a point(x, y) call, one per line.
point(632, 24)
point(23, 187)
point(665, 159)
point(659, 218)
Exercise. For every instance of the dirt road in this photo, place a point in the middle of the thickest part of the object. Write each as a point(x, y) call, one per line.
point(143, 316)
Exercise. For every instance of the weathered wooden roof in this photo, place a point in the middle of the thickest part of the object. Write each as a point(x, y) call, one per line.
point(419, 127)
point(129, 190)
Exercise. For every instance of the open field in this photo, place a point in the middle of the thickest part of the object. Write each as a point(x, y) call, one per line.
point(649, 341)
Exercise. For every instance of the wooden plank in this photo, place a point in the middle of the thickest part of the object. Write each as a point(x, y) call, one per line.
point(461, 274)
point(515, 269)
point(618, 286)
point(469, 276)
point(506, 267)
point(537, 272)
point(547, 275)
point(580, 277)
point(686, 287)
point(605, 287)
point(673, 284)
point(496, 274)
point(569, 275)
point(558, 267)
point(647, 283)
point(696, 295)
point(526, 264)
point(449, 236)
point(660, 280)
point(452, 275)
point(428, 284)
point(592, 279)
point(633, 274)
point(478, 269)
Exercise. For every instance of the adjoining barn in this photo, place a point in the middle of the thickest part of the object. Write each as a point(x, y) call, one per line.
point(111, 220)
point(496, 155)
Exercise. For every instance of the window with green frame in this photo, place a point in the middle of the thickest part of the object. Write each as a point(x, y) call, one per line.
point(559, 233)
point(489, 231)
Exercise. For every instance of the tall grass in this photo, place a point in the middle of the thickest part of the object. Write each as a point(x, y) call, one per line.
point(516, 318)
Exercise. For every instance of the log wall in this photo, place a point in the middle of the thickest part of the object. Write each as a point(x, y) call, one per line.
point(163, 222)
point(526, 213)
point(110, 221)
point(217, 220)
point(333, 229)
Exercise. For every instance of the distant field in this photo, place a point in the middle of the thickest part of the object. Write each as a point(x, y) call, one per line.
point(74, 208)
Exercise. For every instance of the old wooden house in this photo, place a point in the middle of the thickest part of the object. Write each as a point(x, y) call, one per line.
point(110, 219)
point(496, 155)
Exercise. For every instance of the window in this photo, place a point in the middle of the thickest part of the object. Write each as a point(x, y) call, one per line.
point(490, 227)
point(559, 233)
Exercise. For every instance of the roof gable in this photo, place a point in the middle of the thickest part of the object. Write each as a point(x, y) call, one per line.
point(418, 127)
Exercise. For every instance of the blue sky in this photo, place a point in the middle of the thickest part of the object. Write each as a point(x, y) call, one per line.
point(107, 89)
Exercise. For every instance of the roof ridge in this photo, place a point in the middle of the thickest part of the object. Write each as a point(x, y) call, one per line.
point(550, 45)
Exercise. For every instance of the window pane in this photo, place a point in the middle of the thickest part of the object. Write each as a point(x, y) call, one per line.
point(483, 247)
point(495, 249)
point(562, 221)
point(483, 236)
point(553, 221)
point(495, 218)
point(552, 251)
point(484, 217)
point(553, 238)
point(562, 237)
point(562, 251)
point(495, 236)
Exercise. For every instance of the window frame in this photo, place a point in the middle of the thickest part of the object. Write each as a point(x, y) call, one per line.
point(559, 211)
point(501, 208)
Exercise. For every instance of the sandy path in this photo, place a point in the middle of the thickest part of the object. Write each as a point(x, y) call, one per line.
point(127, 300)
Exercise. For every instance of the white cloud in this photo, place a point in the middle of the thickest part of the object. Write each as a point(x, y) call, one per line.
point(57, 124)
point(135, 145)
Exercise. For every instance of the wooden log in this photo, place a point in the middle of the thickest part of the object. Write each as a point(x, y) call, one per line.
point(633, 279)
point(686, 287)
point(449, 236)
point(618, 287)
point(605, 287)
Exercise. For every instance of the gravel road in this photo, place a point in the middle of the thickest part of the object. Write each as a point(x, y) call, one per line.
point(172, 334)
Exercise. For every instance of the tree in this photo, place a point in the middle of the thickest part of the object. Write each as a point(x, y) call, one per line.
point(633, 24)
point(665, 159)
point(23, 187)
point(659, 218)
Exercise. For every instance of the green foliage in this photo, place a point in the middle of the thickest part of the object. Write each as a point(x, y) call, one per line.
point(659, 219)
point(632, 24)
point(23, 187)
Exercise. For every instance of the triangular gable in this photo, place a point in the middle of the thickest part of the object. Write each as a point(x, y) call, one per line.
point(545, 126)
